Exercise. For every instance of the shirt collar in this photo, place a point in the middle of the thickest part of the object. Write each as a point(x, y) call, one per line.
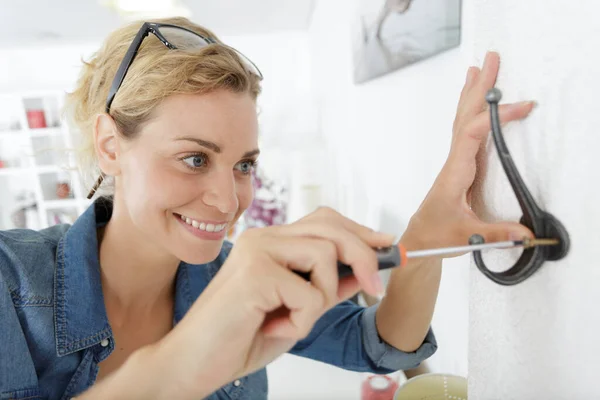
point(79, 310)
point(80, 314)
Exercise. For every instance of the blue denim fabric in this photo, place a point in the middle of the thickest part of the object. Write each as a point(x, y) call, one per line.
point(55, 331)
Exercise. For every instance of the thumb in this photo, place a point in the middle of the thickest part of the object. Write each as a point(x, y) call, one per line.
point(503, 231)
point(378, 239)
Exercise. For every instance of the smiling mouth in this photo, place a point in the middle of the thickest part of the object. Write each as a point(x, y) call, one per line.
point(202, 226)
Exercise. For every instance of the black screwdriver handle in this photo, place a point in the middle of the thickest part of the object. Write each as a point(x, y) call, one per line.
point(387, 257)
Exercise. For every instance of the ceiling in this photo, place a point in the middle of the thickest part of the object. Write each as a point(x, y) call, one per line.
point(46, 22)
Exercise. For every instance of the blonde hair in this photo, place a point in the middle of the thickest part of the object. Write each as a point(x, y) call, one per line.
point(156, 73)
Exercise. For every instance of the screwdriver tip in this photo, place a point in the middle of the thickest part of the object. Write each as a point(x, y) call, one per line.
point(532, 242)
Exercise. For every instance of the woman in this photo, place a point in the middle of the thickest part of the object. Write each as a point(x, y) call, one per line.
point(142, 298)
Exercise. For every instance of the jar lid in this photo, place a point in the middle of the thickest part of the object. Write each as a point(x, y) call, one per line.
point(379, 382)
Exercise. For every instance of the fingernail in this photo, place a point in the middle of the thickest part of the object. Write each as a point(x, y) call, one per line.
point(487, 57)
point(522, 104)
point(377, 283)
point(515, 236)
point(388, 237)
point(469, 75)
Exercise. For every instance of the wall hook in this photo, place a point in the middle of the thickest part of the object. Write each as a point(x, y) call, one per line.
point(541, 223)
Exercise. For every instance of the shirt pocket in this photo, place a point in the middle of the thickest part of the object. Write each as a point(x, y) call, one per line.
point(24, 394)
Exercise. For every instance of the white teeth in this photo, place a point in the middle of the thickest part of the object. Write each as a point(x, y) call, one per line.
point(203, 225)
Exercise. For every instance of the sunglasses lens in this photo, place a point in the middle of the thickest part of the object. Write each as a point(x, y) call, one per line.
point(250, 66)
point(183, 39)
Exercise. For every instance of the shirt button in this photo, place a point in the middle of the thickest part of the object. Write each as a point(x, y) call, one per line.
point(237, 383)
point(104, 343)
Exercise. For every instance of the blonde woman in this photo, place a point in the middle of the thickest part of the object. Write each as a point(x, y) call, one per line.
point(142, 298)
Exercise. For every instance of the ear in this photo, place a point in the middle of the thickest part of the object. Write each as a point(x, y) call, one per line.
point(106, 144)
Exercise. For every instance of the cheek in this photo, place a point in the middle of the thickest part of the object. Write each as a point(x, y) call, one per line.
point(149, 184)
point(245, 195)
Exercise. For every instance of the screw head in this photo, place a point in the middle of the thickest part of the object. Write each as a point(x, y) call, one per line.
point(476, 239)
point(493, 95)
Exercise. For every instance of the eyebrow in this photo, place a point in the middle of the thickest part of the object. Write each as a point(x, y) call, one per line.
point(214, 147)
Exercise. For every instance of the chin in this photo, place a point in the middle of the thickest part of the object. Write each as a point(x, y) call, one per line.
point(200, 253)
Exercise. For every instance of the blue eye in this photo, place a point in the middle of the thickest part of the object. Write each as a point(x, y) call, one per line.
point(195, 161)
point(246, 167)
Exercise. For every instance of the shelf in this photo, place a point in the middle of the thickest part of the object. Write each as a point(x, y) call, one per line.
point(15, 171)
point(36, 150)
point(42, 132)
point(45, 169)
point(38, 132)
point(62, 203)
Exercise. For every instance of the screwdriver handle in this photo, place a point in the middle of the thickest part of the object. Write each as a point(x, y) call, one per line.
point(387, 257)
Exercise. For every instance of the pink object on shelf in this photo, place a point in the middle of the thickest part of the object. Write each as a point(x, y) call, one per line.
point(62, 190)
point(379, 387)
point(36, 119)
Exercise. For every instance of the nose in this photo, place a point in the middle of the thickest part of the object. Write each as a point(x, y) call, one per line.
point(221, 192)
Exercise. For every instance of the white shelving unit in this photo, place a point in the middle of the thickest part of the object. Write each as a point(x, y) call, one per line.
point(39, 185)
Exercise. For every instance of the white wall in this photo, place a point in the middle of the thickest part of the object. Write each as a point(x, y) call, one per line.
point(390, 136)
point(283, 58)
point(539, 339)
point(41, 68)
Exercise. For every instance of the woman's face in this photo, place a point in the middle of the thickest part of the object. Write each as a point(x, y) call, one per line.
point(186, 178)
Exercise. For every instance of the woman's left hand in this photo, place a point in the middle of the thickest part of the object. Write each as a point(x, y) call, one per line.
point(445, 217)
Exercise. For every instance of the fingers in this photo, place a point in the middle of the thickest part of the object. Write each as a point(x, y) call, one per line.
point(485, 81)
point(291, 305)
point(319, 257)
point(472, 77)
point(350, 249)
point(467, 145)
point(301, 305)
point(478, 82)
point(371, 237)
point(502, 231)
point(316, 256)
point(348, 287)
point(314, 245)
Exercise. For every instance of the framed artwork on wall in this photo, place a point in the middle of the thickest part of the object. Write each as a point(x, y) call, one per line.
point(391, 34)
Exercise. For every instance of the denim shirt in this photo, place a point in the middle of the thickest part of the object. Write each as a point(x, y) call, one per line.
point(55, 331)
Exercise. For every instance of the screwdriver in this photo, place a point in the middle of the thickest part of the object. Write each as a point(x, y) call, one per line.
point(397, 256)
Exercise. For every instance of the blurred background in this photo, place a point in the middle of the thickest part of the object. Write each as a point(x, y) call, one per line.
point(368, 147)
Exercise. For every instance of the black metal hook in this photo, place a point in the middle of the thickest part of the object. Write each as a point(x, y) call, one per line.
point(541, 223)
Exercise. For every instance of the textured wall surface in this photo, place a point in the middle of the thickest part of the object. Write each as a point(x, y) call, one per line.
point(389, 138)
point(539, 339)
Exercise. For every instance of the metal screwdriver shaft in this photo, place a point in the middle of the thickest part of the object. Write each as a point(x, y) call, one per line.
point(484, 246)
point(397, 256)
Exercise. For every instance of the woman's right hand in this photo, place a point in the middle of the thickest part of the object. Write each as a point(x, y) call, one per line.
point(257, 308)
